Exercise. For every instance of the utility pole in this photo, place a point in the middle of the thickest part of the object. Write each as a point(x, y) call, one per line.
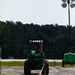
point(72, 5)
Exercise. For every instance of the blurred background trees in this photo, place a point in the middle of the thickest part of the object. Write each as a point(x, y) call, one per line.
point(14, 38)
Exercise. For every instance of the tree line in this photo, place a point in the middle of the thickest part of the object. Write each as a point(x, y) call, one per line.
point(14, 38)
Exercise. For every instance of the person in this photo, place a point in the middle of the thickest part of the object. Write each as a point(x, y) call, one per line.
point(38, 47)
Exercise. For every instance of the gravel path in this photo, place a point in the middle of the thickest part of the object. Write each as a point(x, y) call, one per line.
point(18, 70)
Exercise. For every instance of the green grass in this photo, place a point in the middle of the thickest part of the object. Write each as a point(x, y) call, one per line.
point(21, 63)
point(55, 63)
point(12, 63)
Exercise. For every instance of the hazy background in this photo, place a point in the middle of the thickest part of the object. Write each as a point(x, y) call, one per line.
point(35, 11)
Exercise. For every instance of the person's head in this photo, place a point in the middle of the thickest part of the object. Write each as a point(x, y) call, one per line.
point(38, 47)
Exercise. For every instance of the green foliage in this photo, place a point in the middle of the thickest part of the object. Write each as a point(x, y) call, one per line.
point(14, 39)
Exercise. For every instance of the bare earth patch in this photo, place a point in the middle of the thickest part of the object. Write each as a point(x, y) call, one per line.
point(19, 70)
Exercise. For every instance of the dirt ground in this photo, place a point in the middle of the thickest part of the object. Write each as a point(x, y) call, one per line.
point(18, 70)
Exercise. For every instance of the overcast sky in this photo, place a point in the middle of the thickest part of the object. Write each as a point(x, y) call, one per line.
point(35, 11)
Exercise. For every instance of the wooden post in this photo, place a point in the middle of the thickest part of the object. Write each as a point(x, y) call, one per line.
point(54, 63)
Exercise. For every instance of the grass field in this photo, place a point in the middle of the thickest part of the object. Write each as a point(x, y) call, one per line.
point(21, 63)
point(12, 63)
